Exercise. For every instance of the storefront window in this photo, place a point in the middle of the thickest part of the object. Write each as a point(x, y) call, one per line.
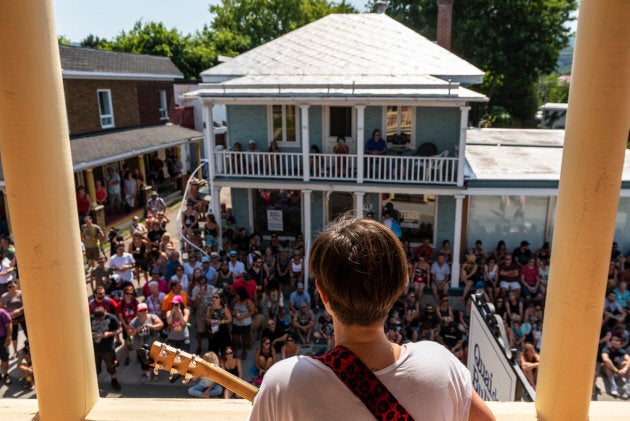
point(278, 211)
point(416, 215)
point(508, 218)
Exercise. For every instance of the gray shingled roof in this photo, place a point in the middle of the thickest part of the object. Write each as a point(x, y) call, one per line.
point(89, 60)
point(349, 45)
point(105, 147)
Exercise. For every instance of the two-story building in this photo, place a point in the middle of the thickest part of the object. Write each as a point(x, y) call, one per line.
point(342, 77)
point(121, 109)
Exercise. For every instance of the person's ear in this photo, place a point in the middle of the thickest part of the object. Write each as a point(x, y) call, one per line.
point(321, 293)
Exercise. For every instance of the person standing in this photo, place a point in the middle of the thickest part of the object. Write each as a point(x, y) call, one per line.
point(422, 379)
point(112, 179)
point(91, 235)
point(105, 327)
point(144, 330)
point(6, 329)
point(122, 263)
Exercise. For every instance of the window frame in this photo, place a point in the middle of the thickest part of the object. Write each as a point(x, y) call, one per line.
point(108, 95)
point(399, 117)
point(283, 141)
point(163, 104)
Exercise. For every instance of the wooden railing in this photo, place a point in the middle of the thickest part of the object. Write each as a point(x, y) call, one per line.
point(332, 167)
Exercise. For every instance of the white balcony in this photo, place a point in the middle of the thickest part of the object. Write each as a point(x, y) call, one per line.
point(330, 167)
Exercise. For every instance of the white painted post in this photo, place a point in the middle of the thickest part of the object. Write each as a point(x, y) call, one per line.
point(463, 126)
point(360, 141)
point(358, 205)
point(457, 239)
point(305, 143)
point(306, 203)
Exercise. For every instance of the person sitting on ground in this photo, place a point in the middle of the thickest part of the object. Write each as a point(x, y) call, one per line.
point(615, 364)
point(298, 297)
point(440, 273)
point(25, 365)
point(231, 365)
point(303, 323)
point(207, 388)
point(290, 348)
point(509, 276)
point(276, 334)
point(325, 331)
point(265, 358)
point(529, 361)
point(522, 253)
point(418, 375)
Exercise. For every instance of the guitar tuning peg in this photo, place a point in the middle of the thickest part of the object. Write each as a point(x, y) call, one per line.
point(157, 368)
point(193, 361)
point(187, 378)
point(178, 357)
point(163, 351)
point(172, 373)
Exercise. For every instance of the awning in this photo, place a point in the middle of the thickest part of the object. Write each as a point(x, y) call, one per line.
point(111, 146)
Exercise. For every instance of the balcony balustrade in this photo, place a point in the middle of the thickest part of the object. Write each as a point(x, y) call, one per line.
point(331, 167)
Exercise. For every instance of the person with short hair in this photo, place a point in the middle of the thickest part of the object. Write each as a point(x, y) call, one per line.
point(105, 327)
point(615, 364)
point(122, 263)
point(360, 271)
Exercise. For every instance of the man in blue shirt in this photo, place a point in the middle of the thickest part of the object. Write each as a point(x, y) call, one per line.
point(376, 145)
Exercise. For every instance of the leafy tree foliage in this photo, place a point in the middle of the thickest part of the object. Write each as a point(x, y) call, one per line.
point(514, 41)
point(240, 25)
point(63, 40)
point(93, 41)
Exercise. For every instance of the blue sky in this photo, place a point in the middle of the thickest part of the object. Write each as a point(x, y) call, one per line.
point(78, 18)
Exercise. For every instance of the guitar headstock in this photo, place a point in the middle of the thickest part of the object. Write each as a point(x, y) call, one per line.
point(176, 362)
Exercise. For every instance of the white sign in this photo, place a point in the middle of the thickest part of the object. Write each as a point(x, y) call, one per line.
point(492, 375)
point(274, 220)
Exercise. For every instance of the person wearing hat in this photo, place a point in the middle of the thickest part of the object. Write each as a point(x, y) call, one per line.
point(144, 329)
point(155, 204)
point(177, 319)
point(299, 297)
point(234, 265)
point(161, 284)
point(303, 323)
point(207, 270)
point(411, 379)
point(116, 287)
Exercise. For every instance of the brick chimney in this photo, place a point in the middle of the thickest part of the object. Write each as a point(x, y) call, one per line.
point(444, 20)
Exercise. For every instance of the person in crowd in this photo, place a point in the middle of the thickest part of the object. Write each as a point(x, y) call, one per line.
point(25, 365)
point(84, 202)
point(445, 311)
point(290, 348)
point(7, 265)
point(622, 294)
point(425, 250)
point(171, 265)
point(101, 193)
point(99, 276)
point(112, 181)
point(174, 167)
point(177, 319)
point(500, 252)
point(207, 388)
point(139, 252)
point(155, 298)
point(265, 358)
point(12, 302)
point(127, 310)
point(276, 334)
point(115, 289)
point(451, 338)
point(298, 297)
point(325, 331)
point(100, 299)
point(479, 252)
point(514, 307)
point(529, 362)
point(522, 253)
point(613, 312)
point(6, 329)
point(616, 364)
point(412, 309)
point(543, 274)
point(491, 277)
point(359, 305)
point(530, 282)
point(242, 313)
point(91, 235)
point(105, 327)
point(155, 204)
point(509, 276)
point(234, 265)
point(160, 284)
point(217, 319)
point(469, 272)
point(194, 197)
point(543, 253)
point(122, 263)
point(440, 274)
point(176, 290)
point(303, 323)
point(231, 365)
point(130, 187)
point(144, 328)
point(420, 275)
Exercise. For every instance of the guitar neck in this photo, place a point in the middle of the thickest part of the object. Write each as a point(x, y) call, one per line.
point(191, 366)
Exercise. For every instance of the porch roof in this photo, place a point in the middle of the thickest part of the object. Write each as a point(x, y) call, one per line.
point(351, 49)
point(104, 147)
point(518, 154)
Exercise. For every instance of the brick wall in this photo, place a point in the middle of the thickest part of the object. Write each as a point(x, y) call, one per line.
point(149, 101)
point(82, 104)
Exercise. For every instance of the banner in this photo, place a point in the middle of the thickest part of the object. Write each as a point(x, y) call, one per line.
point(274, 220)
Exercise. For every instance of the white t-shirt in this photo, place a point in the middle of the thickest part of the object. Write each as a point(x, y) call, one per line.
point(440, 273)
point(117, 261)
point(428, 381)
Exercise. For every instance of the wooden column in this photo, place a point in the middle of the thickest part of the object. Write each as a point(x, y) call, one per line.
point(35, 147)
point(142, 168)
point(588, 196)
point(91, 188)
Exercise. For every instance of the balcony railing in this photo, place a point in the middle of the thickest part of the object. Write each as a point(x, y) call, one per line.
point(332, 167)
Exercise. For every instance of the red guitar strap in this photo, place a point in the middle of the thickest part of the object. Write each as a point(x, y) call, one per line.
point(364, 384)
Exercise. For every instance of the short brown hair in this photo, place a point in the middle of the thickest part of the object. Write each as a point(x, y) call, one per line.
point(361, 267)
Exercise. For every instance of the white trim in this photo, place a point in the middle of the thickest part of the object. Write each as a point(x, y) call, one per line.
point(463, 128)
point(457, 239)
point(163, 104)
point(412, 137)
point(82, 74)
point(503, 191)
point(346, 100)
point(110, 104)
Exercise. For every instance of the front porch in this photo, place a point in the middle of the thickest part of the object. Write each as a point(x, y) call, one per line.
point(352, 168)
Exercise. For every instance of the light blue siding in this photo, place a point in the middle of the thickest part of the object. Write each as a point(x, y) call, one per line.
point(240, 209)
point(446, 220)
point(317, 213)
point(373, 120)
point(248, 122)
point(438, 125)
point(315, 126)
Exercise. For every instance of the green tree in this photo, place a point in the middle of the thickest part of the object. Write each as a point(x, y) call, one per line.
point(513, 41)
point(63, 40)
point(93, 41)
point(240, 25)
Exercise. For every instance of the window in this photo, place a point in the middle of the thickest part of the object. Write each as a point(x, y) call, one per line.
point(105, 108)
point(277, 211)
point(341, 121)
point(284, 123)
point(163, 105)
point(398, 122)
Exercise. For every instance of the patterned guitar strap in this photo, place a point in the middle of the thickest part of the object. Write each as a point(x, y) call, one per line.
point(364, 384)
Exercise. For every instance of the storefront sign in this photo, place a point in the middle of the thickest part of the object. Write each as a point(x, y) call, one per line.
point(274, 220)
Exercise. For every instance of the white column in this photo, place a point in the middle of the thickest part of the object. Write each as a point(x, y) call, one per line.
point(457, 239)
point(358, 204)
point(305, 142)
point(216, 210)
point(360, 141)
point(208, 140)
point(463, 126)
point(306, 203)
